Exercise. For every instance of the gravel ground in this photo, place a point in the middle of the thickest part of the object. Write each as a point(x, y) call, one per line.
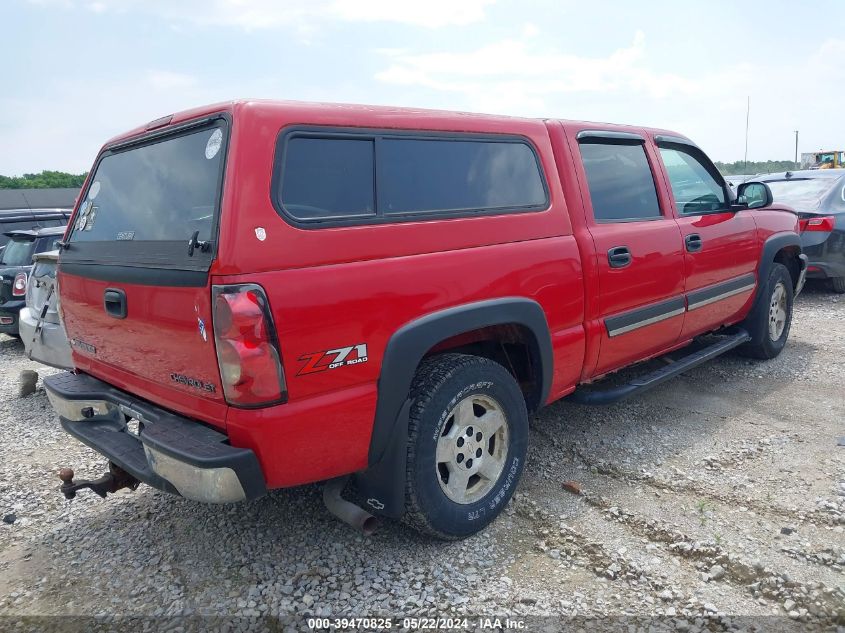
point(718, 498)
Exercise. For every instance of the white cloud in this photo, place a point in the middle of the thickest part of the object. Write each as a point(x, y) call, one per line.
point(431, 14)
point(525, 66)
point(266, 14)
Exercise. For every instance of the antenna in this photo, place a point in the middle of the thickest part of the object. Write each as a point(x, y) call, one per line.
point(28, 206)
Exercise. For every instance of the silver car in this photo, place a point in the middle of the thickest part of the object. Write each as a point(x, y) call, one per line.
point(41, 327)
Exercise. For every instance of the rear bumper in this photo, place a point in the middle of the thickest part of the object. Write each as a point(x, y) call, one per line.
point(825, 269)
point(170, 452)
point(9, 312)
point(50, 346)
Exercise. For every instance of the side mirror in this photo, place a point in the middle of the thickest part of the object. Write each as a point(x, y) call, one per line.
point(754, 195)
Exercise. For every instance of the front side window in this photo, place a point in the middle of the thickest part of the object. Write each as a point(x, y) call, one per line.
point(620, 182)
point(695, 189)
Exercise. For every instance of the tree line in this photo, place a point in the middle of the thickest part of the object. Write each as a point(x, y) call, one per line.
point(50, 179)
point(754, 167)
point(45, 180)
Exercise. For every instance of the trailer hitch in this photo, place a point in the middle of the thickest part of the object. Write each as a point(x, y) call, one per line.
point(112, 481)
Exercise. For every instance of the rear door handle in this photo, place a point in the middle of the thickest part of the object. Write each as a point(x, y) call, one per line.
point(619, 257)
point(114, 303)
point(693, 242)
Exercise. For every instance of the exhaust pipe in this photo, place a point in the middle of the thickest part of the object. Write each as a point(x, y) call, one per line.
point(348, 512)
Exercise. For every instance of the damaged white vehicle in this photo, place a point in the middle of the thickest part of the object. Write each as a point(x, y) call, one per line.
point(41, 328)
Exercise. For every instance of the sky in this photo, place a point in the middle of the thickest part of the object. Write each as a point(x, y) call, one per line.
point(80, 71)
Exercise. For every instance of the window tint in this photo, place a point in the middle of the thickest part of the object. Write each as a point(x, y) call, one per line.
point(44, 244)
point(328, 178)
point(446, 175)
point(694, 188)
point(620, 181)
point(162, 191)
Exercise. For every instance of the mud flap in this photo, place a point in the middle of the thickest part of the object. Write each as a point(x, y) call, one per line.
point(382, 485)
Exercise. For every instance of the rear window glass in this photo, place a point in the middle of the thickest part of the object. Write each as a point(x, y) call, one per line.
point(325, 178)
point(384, 177)
point(43, 244)
point(801, 192)
point(620, 182)
point(163, 191)
point(17, 253)
point(446, 175)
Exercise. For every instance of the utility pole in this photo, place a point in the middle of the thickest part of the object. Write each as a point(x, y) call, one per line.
point(796, 150)
point(747, 117)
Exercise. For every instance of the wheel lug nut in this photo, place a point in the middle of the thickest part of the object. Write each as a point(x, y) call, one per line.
point(460, 442)
point(478, 453)
point(459, 458)
point(478, 436)
point(469, 432)
point(469, 463)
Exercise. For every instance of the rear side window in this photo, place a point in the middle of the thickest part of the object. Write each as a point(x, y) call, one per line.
point(388, 177)
point(445, 175)
point(329, 178)
point(620, 182)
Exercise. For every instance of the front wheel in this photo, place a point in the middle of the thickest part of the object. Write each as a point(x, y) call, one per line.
point(838, 284)
point(771, 317)
point(468, 437)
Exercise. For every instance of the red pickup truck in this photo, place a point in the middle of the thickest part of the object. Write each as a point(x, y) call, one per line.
point(283, 293)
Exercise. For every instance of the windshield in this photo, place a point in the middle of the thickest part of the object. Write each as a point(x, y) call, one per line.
point(803, 194)
point(163, 191)
point(18, 252)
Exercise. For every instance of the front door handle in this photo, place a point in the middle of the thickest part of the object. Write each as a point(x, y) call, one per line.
point(693, 242)
point(114, 303)
point(619, 257)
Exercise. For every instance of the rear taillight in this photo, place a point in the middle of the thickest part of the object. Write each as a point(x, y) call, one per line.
point(247, 348)
point(824, 223)
point(19, 285)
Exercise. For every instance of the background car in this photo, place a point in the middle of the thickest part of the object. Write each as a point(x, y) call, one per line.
point(41, 328)
point(819, 198)
point(736, 180)
point(15, 265)
point(30, 219)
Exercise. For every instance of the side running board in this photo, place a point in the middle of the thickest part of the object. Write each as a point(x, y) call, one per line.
point(647, 381)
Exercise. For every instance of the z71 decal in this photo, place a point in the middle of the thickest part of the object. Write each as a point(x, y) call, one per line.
point(333, 358)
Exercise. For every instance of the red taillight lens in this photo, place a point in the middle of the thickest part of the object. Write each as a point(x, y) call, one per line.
point(247, 347)
point(824, 223)
point(19, 285)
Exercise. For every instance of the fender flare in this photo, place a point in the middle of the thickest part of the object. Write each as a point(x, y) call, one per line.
point(771, 247)
point(383, 483)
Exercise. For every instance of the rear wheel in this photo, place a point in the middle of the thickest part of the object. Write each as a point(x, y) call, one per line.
point(468, 436)
point(771, 317)
point(838, 284)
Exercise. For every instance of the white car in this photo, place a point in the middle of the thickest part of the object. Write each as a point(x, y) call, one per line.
point(41, 328)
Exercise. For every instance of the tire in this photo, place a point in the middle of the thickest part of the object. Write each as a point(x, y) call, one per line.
point(838, 284)
point(445, 388)
point(768, 324)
